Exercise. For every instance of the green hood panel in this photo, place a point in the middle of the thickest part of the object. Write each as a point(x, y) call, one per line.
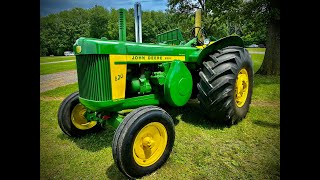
point(102, 46)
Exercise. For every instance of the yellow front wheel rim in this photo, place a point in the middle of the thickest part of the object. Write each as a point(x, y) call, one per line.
point(150, 144)
point(241, 87)
point(78, 119)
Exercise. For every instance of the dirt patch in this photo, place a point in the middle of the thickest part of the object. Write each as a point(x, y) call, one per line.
point(48, 98)
point(52, 81)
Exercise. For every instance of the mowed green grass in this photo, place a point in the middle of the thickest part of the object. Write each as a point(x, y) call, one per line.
point(202, 149)
point(57, 67)
point(256, 49)
point(56, 58)
point(257, 61)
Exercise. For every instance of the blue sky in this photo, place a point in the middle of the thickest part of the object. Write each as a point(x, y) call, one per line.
point(55, 6)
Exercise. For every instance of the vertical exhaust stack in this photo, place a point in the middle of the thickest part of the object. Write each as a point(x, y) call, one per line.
point(137, 24)
point(197, 23)
point(122, 25)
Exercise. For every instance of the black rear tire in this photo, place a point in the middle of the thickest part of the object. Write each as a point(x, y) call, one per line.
point(217, 85)
point(127, 135)
point(65, 116)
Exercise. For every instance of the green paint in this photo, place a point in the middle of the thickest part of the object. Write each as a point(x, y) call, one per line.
point(92, 116)
point(94, 77)
point(122, 24)
point(164, 67)
point(135, 85)
point(145, 86)
point(178, 84)
point(115, 120)
point(141, 85)
point(118, 105)
point(98, 46)
point(172, 37)
point(174, 79)
point(192, 54)
point(158, 78)
point(191, 42)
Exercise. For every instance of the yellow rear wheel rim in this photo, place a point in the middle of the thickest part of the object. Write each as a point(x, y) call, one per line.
point(78, 119)
point(241, 87)
point(150, 144)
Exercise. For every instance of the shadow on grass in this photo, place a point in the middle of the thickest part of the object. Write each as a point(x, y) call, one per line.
point(114, 173)
point(92, 142)
point(266, 124)
point(191, 113)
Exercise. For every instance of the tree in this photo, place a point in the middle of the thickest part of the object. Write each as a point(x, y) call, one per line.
point(113, 24)
point(98, 22)
point(219, 17)
point(58, 32)
point(256, 21)
point(270, 12)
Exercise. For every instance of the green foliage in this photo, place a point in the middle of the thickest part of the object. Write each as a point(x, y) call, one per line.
point(220, 18)
point(58, 32)
point(98, 21)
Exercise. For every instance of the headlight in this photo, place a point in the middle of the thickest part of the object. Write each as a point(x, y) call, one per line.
point(206, 41)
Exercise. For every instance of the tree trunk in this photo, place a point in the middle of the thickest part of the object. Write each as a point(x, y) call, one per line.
point(271, 61)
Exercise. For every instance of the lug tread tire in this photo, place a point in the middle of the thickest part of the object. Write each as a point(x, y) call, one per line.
point(217, 83)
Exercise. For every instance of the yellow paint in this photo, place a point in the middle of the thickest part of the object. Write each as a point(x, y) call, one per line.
point(197, 23)
point(204, 46)
point(242, 87)
point(200, 47)
point(150, 144)
point(146, 58)
point(118, 73)
point(78, 49)
point(78, 119)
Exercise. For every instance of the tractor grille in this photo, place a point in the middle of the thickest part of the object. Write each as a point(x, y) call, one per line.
point(94, 77)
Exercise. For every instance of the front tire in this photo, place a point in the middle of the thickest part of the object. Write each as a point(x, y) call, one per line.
point(225, 87)
point(71, 118)
point(143, 141)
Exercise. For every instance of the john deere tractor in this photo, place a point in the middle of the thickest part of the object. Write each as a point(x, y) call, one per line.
point(124, 84)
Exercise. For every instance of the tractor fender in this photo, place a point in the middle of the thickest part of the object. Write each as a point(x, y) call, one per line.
point(221, 43)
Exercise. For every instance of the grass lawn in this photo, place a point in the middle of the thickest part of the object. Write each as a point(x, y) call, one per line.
point(257, 61)
point(256, 49)
point(57, 67)
point(202, 149)
point(56, 58)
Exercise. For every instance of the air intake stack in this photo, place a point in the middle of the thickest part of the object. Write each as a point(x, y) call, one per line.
point(122, 25)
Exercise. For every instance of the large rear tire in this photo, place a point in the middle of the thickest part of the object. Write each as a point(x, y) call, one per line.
point(225, 86)
point(143, 141)
point(71, 118)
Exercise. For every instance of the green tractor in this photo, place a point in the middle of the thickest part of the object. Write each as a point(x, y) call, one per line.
point(123, 84)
